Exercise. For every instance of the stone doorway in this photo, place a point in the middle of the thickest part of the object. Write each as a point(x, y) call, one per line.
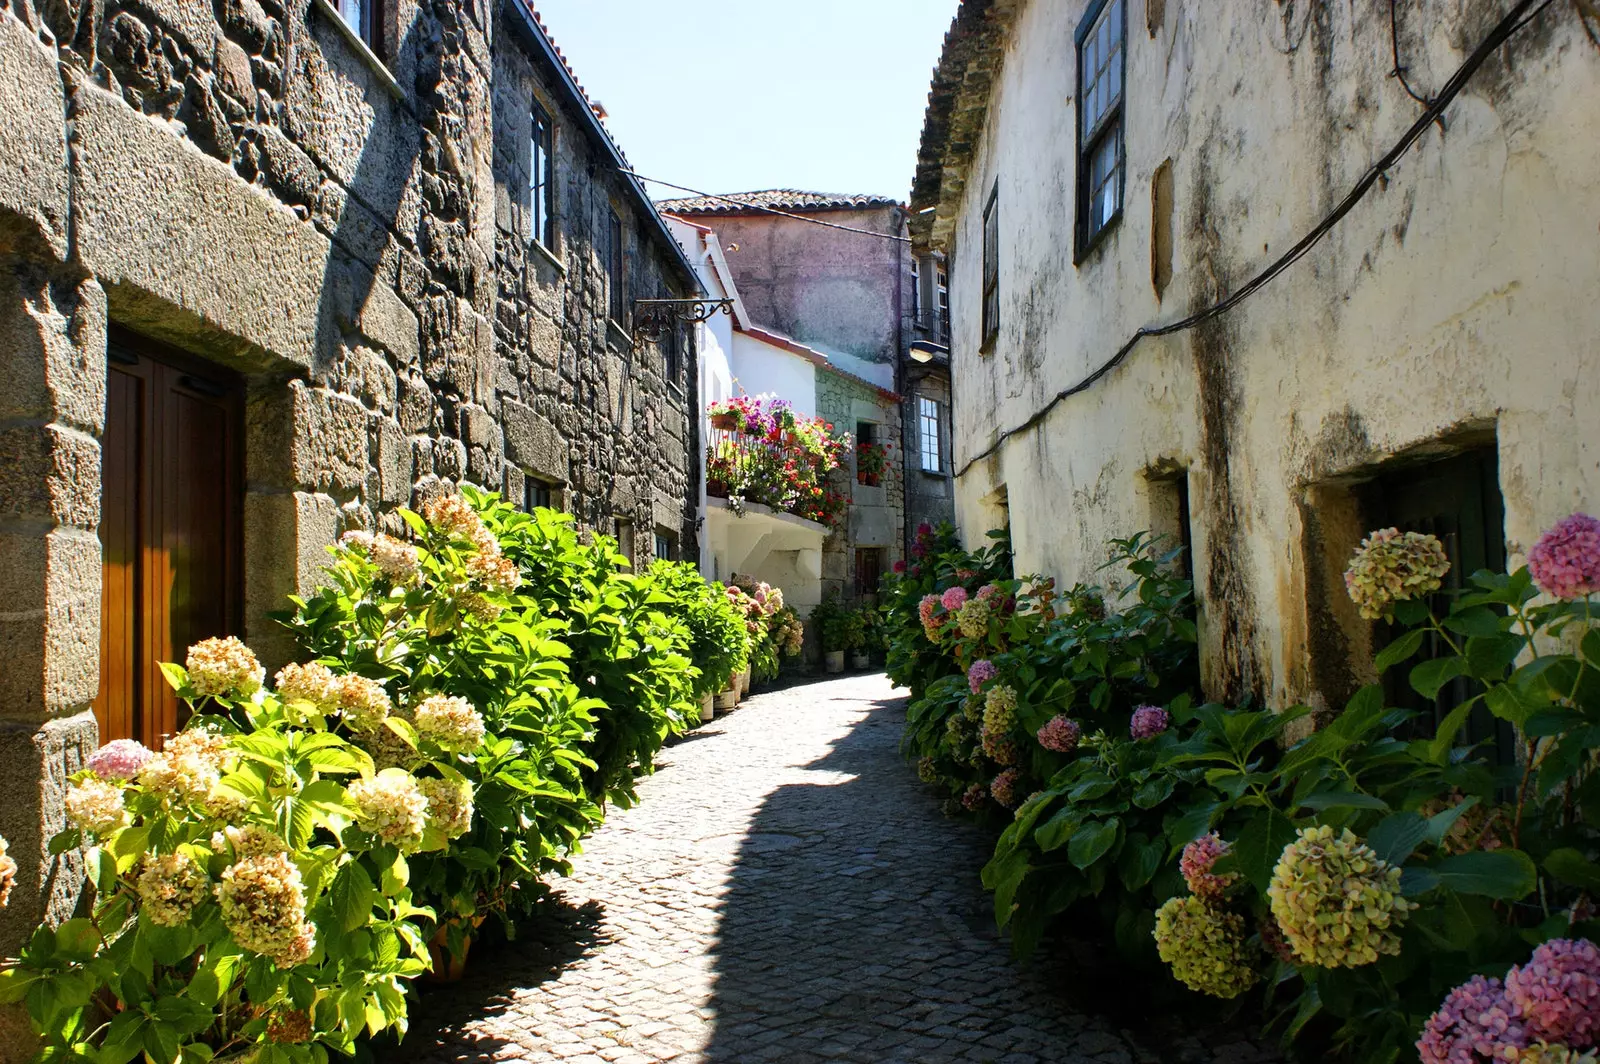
point(171, 509)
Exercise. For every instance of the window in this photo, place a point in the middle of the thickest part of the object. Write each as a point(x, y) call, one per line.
point(928, 431)
point(942, 278)
point(541, 179)
point(672, 350)
point(625, 542)
point(916, 292)
point(666, 545)
point(991, 267)
point(1101, 39)
point(536, 495)
point(616, 281)
point(869, 570)
point(365, 17)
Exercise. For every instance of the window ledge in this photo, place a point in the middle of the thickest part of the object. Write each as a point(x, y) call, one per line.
point(378, 68)
point(1092, 248)
point(617, 336)
point(931, 475)
point(543, 252)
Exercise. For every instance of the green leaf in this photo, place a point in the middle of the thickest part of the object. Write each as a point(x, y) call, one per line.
point(1399, 650)
point(1139, 862)
point(353, 896)
point(1343, 800)
point(1395, 837)
point(77, 939)
point(1440, 823)
point(1154, 791)
point(1260, 845)
point(1428, 676)
point(1055, 832)
point(1091, 841)
point(176, 675)
point(1507, 875)
point(1475, 621)
point(1573, 868)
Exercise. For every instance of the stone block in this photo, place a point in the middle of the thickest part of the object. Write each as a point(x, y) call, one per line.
point(38, 760)
point(286, 536)
point(187, 251)
point(330, 440)
point(393, 462)
point(51, 473)
point(34, 180)
point(50, 628)
point(458, 347)
point(52, 349)
point(533, 442)
point(361, 303)
point(192, 21)
point(288, 171)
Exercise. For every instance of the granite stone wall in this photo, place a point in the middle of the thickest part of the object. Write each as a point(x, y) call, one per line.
point(245, 182)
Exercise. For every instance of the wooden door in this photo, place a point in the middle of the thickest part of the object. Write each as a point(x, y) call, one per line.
point(170, 520)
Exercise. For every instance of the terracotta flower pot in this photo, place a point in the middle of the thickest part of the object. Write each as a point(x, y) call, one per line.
point(726, 422)
point(447, 968)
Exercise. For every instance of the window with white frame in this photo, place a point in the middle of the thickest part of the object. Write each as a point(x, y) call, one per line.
point(541, 178)
point(1102, 43)
point(928, 429)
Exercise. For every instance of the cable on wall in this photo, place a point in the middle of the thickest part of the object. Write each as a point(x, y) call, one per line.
point(1524, 12)
point(765, 210)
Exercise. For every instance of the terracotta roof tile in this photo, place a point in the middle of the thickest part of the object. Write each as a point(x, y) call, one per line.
point(782, 199)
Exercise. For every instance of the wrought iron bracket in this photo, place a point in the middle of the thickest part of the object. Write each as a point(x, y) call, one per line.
point(653, 317)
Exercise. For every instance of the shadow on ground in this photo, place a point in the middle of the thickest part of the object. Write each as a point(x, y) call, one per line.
point(502, 971)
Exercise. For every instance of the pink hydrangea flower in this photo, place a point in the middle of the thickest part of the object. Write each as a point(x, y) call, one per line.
point(974, 797)
point(1566, 560)
point(1004, 787)
point(1060, 734)
point(1557, 993)
point(900, 566)
point(981, 671)
point(1198, 858)
point(1475, 1023)
point(1149, 721)
point(924, 530)
point(120, 759)
point(954, 598)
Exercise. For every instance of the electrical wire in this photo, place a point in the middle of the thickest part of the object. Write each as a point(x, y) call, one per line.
point(765, 210)
point(1515, 20)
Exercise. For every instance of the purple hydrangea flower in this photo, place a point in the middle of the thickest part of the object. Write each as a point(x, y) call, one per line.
point(1566, 560)
point(1149, 721)
point(954, 598)
point(982, 670)
point(1476, 1022)
point(1060, 734)
point(1557, 993)
point(120, 759)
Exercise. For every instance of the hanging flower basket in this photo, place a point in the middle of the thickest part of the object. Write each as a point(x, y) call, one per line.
point(727, 421)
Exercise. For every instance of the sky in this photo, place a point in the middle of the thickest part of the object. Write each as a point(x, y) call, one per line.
point(737, 95)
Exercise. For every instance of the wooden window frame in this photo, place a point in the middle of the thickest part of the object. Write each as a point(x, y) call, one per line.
point(941, 279)
point(1108, 126)
point(666, 545)
point(542, 176)
point(616, 269)
point(991, 270)
point(924, 416)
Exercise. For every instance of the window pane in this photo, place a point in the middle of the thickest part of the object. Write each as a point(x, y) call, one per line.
point(351, 10)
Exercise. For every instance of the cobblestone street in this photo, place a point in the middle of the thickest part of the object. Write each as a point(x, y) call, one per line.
point(786, 891)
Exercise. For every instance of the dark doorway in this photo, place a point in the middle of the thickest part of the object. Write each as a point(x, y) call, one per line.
point(1458, 500)
point(172, 489)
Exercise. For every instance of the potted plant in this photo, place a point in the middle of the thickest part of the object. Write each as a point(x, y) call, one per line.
point(829, 618)
point(872, 461)
point(725, 415)
point(857, 626)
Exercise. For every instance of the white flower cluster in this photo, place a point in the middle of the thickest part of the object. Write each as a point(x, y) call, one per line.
point(248, 841)
point(224, 668)
point(8, 873)
point(312, 683)
point(391, 806)
point(170, 886)
point(449, 805)
point(95, 807)
point(451, 722)
point(364, 702)
point(264, 906)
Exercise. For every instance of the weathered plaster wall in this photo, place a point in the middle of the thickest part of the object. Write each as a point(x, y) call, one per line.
point(244, 184)
point(839, 291)
point(877, 514)
point(1457, 296)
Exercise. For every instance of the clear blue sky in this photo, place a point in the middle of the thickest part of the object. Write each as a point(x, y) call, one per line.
point(735, 95)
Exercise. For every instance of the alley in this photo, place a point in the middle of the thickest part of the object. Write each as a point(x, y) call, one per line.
point(786, 891)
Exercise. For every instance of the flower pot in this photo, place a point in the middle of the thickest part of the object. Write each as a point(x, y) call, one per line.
point(726, 700)
point(446, 967)
point(744, 681)
point(708, 708)
point(726, 422)
point(860, 660)
point(833, 661)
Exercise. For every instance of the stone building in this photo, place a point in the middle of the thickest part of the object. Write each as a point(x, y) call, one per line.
point(846, 294)
point(269, 270)
point(1094, 167)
